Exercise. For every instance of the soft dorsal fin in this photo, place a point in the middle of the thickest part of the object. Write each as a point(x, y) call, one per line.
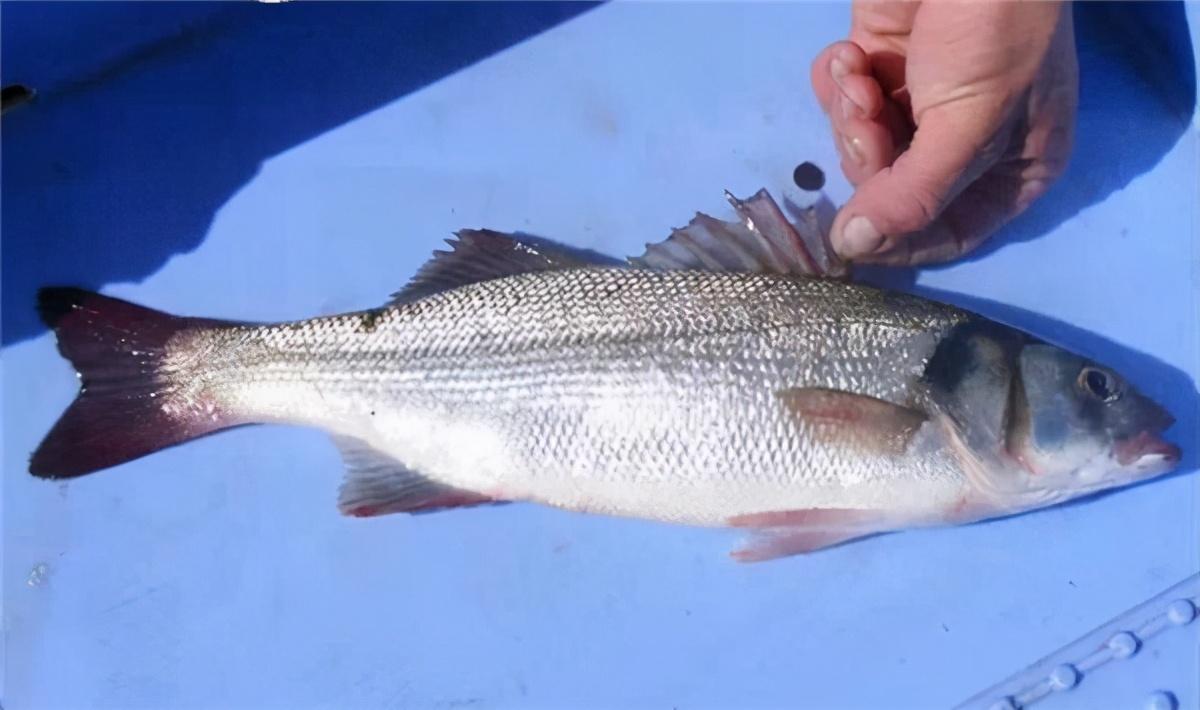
point(762, 241)
point(481, 255)
point(377, 484)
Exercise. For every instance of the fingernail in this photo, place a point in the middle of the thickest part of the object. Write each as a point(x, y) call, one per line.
point(838, 70)
point(1030, 191)
point(853, 149)
point(859, 237)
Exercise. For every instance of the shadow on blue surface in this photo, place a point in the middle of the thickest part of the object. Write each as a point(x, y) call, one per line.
point(183, 122)
point(1137, 92)
point(107, 175)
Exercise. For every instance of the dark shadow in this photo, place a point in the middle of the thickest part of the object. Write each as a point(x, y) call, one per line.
point(107, 175)
point(1164, 383)
point(1137, 92)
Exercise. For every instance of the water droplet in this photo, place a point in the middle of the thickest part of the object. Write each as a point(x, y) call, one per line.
point(1161, 700)
point(1181, 611)
point(37, 575)
point(1064, 677)
point(1123, 644)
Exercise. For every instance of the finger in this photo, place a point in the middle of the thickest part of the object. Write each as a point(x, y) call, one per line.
point(854, 103)
point(883, 18)
point(967, 222)
point(861, 96)
point(866, 147)
point(881, 28)
point(849, 56)
point(947, 153)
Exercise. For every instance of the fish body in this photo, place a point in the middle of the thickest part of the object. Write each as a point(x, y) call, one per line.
point(653, 394)
point(810, 410)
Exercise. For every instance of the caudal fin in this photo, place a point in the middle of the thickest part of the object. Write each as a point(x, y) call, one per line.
point(122, 411)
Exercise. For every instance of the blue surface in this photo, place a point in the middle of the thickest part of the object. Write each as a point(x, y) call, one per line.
point(152, 115)
point(271, 162)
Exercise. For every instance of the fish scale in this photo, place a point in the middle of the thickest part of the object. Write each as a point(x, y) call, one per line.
point(596, 383)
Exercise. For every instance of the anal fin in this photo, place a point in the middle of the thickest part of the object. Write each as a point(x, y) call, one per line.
point(783, 533)
point(773, 543)
point(377, 484)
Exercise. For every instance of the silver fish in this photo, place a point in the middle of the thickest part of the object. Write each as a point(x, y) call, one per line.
point(725, 378)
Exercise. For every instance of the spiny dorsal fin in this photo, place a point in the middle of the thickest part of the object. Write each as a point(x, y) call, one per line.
point(377, 484)
point(762, 241)
point(482, 255)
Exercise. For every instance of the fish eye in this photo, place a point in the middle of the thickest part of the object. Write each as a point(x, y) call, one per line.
point(1099, 384)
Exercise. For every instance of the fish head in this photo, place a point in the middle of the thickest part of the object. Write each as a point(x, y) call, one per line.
point(1040, 424)
point(1078, 426)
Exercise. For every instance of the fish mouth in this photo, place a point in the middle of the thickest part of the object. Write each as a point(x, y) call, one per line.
point(1146, 449)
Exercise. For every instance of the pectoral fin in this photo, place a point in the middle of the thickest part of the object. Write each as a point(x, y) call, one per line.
point(855, 420)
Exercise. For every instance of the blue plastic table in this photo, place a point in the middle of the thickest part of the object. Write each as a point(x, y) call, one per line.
point(267, 162)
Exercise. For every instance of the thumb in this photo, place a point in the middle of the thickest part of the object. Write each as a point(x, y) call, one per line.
point(949, 150)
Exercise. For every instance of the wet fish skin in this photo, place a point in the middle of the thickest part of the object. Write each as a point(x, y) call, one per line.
point(652, 394)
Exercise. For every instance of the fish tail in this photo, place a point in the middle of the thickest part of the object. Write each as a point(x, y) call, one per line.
point(122, 411)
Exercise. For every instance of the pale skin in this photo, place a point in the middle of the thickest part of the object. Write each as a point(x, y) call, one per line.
point(951, 118)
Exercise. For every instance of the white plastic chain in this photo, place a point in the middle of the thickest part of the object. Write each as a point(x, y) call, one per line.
point(1120, 638)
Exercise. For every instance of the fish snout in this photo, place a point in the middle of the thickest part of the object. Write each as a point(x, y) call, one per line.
point(1147, 450)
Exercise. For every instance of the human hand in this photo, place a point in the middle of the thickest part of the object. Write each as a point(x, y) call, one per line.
point(950, 118)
